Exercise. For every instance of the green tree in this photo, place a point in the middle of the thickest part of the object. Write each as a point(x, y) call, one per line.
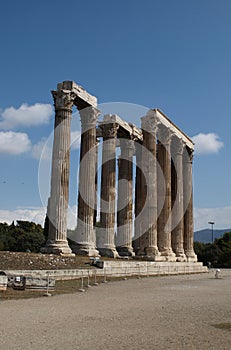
point(21, 237)
point(218, 253)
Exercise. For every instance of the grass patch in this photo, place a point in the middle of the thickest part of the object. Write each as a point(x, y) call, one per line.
point(225, 326)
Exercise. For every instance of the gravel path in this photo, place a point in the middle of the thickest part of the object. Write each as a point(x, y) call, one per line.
point(175, 312)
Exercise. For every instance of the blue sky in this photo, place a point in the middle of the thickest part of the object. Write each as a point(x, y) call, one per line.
point(172, 55)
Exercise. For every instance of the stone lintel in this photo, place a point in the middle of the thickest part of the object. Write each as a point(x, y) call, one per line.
point(137, 134)
point(163, 119)
point(126, 130)
point(83, 98)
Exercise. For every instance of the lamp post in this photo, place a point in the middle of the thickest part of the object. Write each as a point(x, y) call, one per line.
point(211, 223)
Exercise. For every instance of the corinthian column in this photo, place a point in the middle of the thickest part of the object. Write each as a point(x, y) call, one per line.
point(124, 208)
point(106, 235)
point(85, 234)
point(56, 221)
point(177, 198)
point(188, 205)
point(164, 193)
point(149, 222)
point(140, 196)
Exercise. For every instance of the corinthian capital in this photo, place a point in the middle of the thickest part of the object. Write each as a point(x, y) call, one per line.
point(127, 147)
point(164, 134)
point(89, 117)
point(149, 122)
point(63, 99)
point(109, 130)
point(177, 146)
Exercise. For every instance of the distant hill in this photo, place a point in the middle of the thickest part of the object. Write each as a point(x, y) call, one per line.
point(205, 236)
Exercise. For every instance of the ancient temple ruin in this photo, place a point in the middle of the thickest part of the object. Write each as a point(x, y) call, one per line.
point(154, 222)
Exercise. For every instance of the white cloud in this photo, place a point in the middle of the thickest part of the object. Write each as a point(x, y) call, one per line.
point(42, 150)
point(35, 214)
point(220, 216)
point(207, 143)
point(26, 116)
point(14, 143)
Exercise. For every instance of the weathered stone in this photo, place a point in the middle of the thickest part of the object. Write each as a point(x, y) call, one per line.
point(58, 201)
point(164, 193)
point(177, 216)
point(85, 233)
point(124, 207)
point(162, 190)
point(105, 238)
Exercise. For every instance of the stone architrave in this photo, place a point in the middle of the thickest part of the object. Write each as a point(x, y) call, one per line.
point(177, 216)
point(56, 221)
point(85, 234)
point(149, 214)
point(106, 231)
point(124, 204)
point(164, 193)
point(188, 205)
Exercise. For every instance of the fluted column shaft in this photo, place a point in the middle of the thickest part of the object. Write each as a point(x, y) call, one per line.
point(140, 196)
point(106, 237)
point(177, 198)
point(85, 234)
point(124, 207)
point(164, 193)
point(188, 205)
point(149, 222)
point(58, 201)
point(96, 181)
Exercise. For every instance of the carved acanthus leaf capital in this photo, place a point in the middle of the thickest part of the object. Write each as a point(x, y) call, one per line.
point(164, 134)
point(127, 147)
point(149, 123)
point(63, 99)
point(89, 117)
point(109, 130)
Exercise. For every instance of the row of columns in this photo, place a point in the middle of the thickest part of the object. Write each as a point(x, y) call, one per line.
point(165, 230)
point(163, 190)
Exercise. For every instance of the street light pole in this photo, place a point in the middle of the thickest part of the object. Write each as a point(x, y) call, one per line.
point(211, 223)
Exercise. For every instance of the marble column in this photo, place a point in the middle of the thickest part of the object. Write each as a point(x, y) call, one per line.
point(188, 205)
point(177, 198)
point(96, 182)
point(149, 167)
point(124, 206)
point(56, 221)
point(106, 235)
point(85, 233)
point(164, 193)
point(140, 197)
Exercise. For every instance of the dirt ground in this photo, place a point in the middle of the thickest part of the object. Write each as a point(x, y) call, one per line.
point(172, 312)
point(32, 261)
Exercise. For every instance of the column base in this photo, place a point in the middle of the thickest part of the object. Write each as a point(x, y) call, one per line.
point(191, 256)
point(58, 248)
point(180, 255)
point(109, 252)
point(181, 258)
point(125, 251)
point(153, 254)
point(168, 255)
point(85, 250)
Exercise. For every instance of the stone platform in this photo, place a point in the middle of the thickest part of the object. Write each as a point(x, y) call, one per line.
point(118, 269)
